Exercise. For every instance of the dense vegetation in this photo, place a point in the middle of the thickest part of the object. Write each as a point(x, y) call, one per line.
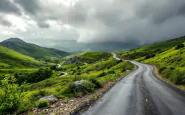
point(93, 71)
point(37, 76)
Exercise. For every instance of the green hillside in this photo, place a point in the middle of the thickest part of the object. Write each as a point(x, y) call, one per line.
point(95, 56)
point(104, 70)
point(171, 64)
point(12, 59)
point(151, 50)
point(33, 50)
point(168, 56)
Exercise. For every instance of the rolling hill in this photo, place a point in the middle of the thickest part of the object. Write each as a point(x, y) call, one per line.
point(11, 59)
point(32, 50)
point(151, 50)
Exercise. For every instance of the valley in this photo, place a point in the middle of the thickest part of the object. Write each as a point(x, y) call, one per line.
point(75, 81)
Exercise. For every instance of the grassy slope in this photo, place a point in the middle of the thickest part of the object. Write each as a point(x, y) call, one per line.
point(83, 71)
point(94, 56)
point(169, 61)
point(56, 84)
point(33, 50)
point(12, 59)
point(153, 48)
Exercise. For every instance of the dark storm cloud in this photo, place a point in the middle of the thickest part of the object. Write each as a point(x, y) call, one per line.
point(30, 6)
point(5, 22)
point(43, 25)
point(141, 21)
point(160, 12)
point(8, 7)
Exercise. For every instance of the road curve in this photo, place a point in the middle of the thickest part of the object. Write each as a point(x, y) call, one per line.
point(140, 93)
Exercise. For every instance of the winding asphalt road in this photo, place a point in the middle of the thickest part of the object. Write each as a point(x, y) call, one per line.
point(140, 93)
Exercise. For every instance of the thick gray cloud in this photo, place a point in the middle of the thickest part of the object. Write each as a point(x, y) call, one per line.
point(5, 22)
point(6, 6)
point(141, 21)
point(30, 6)
point(43, 25)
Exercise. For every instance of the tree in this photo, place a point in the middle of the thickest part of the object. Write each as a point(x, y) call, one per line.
point(54, 67)
point(11, 95)
point(16, 76)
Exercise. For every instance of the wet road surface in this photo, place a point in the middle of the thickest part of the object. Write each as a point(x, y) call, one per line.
point(140, 93)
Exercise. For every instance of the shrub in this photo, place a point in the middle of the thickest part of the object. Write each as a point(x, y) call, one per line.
point(11, 95)
point(149, 56)
point(42, 103)
point(111, 72)
point(40, 75)
point(82, 86)
point(40, 92)
point(179, 46)
point(89, 87)
point(25, 106)
point(54, 67)
point(161, 69)
point(178, 77)
point(101, 74)
point(97, 83)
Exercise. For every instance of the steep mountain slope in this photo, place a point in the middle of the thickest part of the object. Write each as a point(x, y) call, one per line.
point(151, 50)
point(32, 50)
point(12, 59)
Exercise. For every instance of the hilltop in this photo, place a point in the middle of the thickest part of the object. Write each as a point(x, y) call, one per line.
point(32, 50)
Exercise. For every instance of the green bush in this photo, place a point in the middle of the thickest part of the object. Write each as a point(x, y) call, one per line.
point(179, 46)
point(97, 83)
point(111, 72)
point(42, 103)
point(167, 73)
point(86, 87)
point(40, 75)
point(161, 69)
point(178, 77)
point(101, 74)
point(41, 92)
point(25, 106)
point(11, 95)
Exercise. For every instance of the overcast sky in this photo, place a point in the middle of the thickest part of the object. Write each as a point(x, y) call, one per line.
point(141, 21)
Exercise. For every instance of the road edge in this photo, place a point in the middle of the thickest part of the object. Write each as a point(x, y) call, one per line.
point(91, 102)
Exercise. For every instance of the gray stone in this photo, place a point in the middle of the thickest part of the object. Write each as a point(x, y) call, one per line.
point(38, 97)
point(79, 83)
point(51, 98)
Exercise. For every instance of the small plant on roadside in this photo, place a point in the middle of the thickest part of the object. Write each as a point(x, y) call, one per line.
point(42, 103)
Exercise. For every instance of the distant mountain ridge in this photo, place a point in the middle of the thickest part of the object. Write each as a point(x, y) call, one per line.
point(32, 50)
point(14, 40)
